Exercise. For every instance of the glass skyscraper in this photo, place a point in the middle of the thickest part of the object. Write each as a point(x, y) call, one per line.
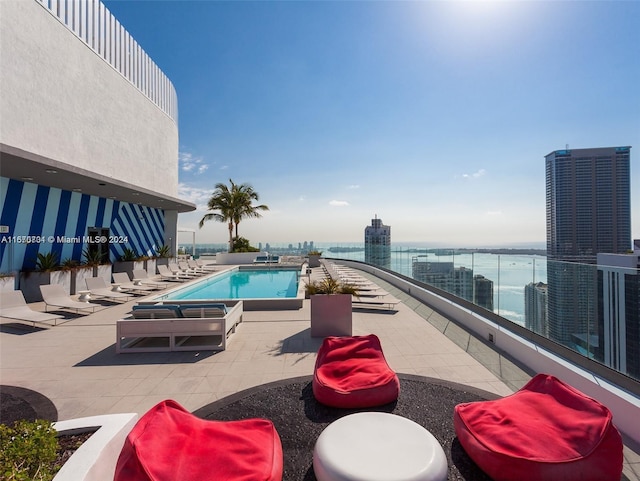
point(377, 243)
point(588, 211)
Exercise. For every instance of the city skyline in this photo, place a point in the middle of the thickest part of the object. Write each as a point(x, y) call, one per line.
point(434, 116)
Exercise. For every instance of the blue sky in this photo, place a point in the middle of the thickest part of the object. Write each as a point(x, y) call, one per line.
point(434, 116)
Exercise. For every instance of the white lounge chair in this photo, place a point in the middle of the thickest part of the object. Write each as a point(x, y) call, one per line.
point(208, 267)
point(195, 267)
point(121, 279)
point(175, 268)
point(184, 267)
point(13, 306)
point(372, 293)
point(387, 303)
point(166, 274)
point(98, 288)
point(142, 276)
point(54, 295)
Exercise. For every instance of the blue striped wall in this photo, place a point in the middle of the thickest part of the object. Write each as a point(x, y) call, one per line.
point(34, 210)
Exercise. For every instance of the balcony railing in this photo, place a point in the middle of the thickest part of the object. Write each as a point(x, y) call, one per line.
point(94, 24)
point(589, 309)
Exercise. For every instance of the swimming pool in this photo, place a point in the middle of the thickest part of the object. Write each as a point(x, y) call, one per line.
point(257, 287)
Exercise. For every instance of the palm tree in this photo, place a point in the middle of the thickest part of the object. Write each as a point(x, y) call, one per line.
point(233, 204)
point(222, 201)
point(245, 195)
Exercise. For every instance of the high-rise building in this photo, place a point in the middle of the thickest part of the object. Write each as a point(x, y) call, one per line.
point(456, 280)
point(483, 292)
point(619, 312)
point(463, 283)
point(588, 210)
point(535, 308)
point(437, 274)
point(377, 243)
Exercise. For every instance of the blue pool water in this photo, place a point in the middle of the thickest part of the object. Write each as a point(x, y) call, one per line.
point(243, 284)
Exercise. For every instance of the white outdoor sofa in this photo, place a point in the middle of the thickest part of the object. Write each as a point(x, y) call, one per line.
point(178, 327)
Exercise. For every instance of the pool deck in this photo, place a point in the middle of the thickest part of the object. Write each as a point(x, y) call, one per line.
point(75, 364)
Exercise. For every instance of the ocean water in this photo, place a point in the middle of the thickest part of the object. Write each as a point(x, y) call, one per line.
point(509, 273)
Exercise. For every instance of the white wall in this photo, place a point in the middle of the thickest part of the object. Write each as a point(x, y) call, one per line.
point(59, 99)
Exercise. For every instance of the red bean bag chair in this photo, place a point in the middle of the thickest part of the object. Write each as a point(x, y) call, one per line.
point(351, 372)
point(170, 444)
point(546, 430)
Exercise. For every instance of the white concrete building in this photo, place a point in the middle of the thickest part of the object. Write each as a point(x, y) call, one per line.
point(88, 136)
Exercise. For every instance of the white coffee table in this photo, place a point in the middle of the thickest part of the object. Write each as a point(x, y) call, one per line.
point(377, 446)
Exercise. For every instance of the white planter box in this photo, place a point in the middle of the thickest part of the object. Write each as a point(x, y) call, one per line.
point(128, 267)
point(150, 266)
point(104, 271)
point(8, 283)
point(314, 260)
point(30, 283)
point(96, 459)
point(331, 315)
point(80, 275)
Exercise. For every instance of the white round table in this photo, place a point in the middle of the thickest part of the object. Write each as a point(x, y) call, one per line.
point(84, 296)
point(375, 446)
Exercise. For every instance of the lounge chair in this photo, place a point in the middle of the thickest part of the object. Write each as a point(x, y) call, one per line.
point(121, 279)
point(98, 288)
point(267, 260)
point(184, 267)
point(142, 276)
point(13, 306)
point(167, 275)
point(208, 267)
point(372, 293)
point(175, 268)
point(54, 295)
point(387, 303)
point(195, 267)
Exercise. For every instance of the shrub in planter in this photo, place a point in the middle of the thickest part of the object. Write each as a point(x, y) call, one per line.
point(240, 244)
point(47, 271)
point(93, 258)
point(331, 286)
point(314, 258)
point(164, 252)
point(28, 450)
point(47, 262)
point(128, 255)
point(331, 310)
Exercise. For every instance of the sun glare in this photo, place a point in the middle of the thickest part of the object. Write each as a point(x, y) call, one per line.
point(473, 27)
